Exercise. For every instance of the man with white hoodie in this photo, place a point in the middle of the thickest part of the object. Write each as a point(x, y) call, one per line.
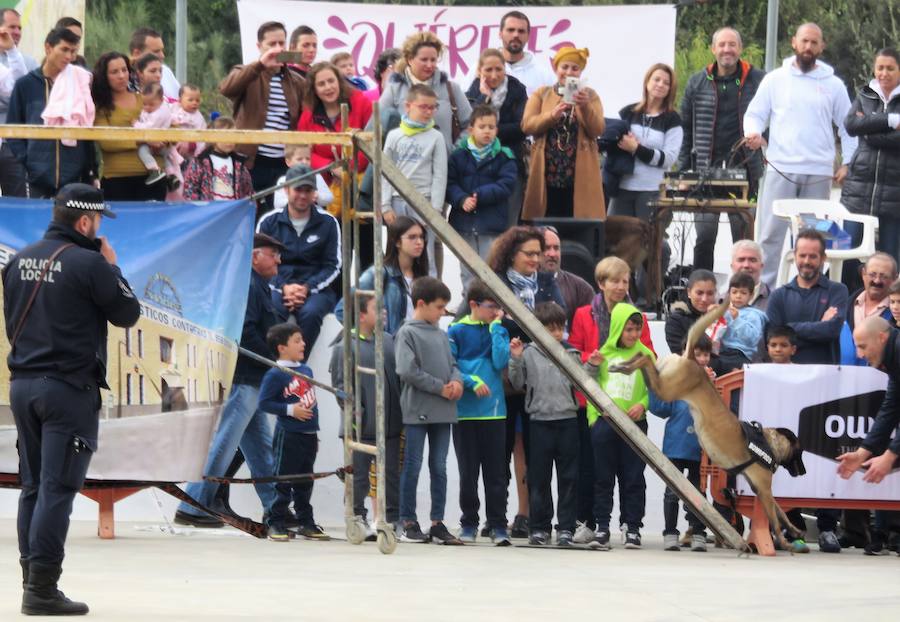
point(799, 102)
point(515, 29)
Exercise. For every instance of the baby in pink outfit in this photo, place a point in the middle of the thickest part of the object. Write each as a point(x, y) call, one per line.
point(186, 115)
point(157, 115)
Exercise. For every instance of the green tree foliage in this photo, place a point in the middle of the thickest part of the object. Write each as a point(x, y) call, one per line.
point(214, 43)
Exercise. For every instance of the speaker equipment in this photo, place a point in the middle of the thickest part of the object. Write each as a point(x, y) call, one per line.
point(582, 242)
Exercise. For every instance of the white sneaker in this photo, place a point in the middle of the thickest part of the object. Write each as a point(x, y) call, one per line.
point(698, 543)
point(670, 542)
point(583, 534)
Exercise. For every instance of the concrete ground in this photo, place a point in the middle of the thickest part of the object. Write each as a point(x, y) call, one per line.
point(197, 575)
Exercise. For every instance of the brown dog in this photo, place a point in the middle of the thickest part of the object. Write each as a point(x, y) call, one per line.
point(718, 429)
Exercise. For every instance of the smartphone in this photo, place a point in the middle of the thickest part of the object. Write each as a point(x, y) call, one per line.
point(289, 57)
point(570, 88)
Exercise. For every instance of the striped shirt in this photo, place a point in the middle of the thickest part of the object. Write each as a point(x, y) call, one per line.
point(277, 117)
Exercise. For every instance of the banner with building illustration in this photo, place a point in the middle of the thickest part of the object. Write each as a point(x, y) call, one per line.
point(190, 266)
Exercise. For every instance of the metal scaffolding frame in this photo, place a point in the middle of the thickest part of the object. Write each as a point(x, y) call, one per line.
point(369, 143)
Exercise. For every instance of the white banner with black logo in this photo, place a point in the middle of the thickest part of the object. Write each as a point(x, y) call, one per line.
point(831, 409)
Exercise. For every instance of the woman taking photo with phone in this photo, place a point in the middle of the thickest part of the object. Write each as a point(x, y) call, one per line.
point(565, 121)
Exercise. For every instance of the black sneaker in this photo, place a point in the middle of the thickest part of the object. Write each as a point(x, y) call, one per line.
point(601, 540)
point(564, 538)
point(313, 532)
point(538, 538)
point(876, 545)
point(439, 534)
point(412, 534)
point(519, 527)
point(193, 520)
point(632, 540)
point(277, 533)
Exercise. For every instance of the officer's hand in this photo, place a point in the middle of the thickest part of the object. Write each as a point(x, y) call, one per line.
point(107, 250)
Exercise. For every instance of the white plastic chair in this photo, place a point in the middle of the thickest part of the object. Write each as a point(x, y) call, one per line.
point(790, 209)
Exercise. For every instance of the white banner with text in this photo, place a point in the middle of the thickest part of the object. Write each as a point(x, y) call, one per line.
point(624, 41)
point(830, 409)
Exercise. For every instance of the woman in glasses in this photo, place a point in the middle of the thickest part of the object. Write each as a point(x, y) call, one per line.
point(516, 258)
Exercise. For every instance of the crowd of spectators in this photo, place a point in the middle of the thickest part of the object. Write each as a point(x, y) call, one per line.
point(525, 140)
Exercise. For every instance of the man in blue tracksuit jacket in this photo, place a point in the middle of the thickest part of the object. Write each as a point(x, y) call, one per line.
point(311, 259)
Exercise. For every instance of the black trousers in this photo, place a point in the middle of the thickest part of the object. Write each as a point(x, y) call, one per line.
point(132, 189)
point(265, 174)
point(57, 434)
point(615, 459)
point(361, 485)
point(670, 500)
point(585, 503)
point(480, 447)
point(13, 182)
point(295, 453)
point(516, 417)
point(552, 442)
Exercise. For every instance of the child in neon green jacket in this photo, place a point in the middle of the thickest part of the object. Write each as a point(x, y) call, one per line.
point(613, 458)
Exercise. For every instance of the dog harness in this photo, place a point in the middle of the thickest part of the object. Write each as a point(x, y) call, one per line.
point(758, 446)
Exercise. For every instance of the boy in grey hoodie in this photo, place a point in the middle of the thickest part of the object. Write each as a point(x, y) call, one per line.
point(431, 385)
point(419, 151)
point(365, 332)
point(550, 400)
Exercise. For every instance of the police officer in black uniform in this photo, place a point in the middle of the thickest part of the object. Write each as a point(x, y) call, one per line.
point(58, 295)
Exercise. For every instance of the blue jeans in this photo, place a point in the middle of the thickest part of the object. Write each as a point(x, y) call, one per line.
point(309, 317)
point(438, 435)
point(242, 424)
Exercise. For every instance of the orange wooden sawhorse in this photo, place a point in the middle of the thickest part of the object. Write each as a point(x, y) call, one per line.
point(105, 498)
point(716, 480)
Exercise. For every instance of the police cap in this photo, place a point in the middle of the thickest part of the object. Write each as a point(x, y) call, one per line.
point(83, 197)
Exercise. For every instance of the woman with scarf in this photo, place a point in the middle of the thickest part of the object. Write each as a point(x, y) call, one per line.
point(516, 258)
point(418, 65)
point(590, 330)
point(873, 184)
point(565, 121)
point(508, 97)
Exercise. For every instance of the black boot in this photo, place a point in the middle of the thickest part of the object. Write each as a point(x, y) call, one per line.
point(24, 563)
point(42, 598)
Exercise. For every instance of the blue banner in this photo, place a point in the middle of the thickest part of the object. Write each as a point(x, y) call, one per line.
point(192, 260)
point(189, 264)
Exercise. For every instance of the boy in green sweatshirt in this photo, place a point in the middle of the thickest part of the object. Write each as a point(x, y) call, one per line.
point(613, 458)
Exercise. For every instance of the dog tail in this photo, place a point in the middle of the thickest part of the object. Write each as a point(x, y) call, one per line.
point(704, 322)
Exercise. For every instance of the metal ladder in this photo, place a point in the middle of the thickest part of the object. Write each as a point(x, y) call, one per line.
point(354, 373)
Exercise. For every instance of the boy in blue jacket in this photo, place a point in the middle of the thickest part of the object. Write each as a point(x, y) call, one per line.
point(680, 445)
point(481, 176)
point(293, 400)
point(480, 345)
